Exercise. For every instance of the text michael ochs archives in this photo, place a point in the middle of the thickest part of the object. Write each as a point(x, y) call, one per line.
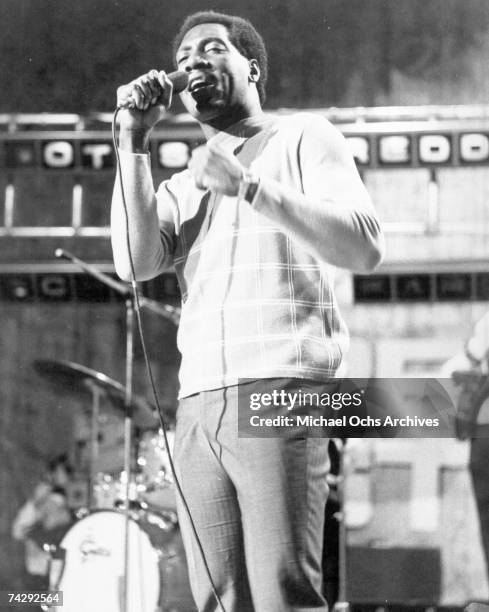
point(384, 407)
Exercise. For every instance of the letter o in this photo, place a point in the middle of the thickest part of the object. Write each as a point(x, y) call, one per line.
point(434, 149)
point(58, 154)
point(474, 147)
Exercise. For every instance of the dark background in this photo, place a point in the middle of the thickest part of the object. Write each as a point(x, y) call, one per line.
point(66, 56)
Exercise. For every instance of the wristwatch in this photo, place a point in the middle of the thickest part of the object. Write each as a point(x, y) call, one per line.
point(248, 187)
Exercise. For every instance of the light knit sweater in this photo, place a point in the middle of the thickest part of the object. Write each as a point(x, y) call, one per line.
point(257, 288)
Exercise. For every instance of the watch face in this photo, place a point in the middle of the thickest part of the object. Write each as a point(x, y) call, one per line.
point(248, 187)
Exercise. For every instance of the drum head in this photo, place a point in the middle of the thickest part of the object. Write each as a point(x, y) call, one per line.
point(92, 575)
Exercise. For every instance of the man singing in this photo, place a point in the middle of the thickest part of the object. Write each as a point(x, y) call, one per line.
point(254, 228)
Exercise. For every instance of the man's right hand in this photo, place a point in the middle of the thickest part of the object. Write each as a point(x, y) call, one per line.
point(149, 96)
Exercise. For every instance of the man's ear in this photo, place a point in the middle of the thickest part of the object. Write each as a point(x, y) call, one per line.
point(254, 71)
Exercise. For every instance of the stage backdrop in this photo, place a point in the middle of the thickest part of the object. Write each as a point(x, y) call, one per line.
point(322, 52)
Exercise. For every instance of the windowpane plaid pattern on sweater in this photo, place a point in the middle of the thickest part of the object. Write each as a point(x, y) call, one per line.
point(255, 304)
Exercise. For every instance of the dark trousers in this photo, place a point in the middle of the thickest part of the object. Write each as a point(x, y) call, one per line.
point(479, 471)
point(258, 506)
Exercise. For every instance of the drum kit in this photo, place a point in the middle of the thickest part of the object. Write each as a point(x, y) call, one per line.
point(124, 552)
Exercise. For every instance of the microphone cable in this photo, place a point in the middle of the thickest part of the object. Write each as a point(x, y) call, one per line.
point(137, 310)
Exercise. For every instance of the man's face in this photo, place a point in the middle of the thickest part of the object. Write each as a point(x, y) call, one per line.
point(219, 85)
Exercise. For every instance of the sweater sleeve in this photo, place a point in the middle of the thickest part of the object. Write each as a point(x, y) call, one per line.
point(332, 215)
point(150, 224)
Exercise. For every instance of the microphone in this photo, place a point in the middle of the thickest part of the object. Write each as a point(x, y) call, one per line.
point(179, 79)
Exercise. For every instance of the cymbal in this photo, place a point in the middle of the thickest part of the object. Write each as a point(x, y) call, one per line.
point(79, 379)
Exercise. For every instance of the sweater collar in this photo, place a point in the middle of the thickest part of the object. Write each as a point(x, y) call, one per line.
point(236, 134)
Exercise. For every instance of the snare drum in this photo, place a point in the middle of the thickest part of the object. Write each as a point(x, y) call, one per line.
point(90, 569)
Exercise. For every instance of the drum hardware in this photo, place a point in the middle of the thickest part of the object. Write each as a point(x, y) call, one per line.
point(151, 484)
point(56, 557)
point(81, 513)
point(135, 507)
point(51, 549)
point(155, 471)
point(87, 564)
point(166, 520)
point(80, 379)
point(94, 431)
point(341, 605)
point(171, 313)
point(130, 406)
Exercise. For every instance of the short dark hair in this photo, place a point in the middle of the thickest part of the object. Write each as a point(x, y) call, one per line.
point(242, 34)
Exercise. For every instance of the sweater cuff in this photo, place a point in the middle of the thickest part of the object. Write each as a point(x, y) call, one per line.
point(132, 160)
point(134, 165)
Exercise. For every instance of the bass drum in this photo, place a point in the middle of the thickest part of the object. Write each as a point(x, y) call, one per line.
point(89, 565)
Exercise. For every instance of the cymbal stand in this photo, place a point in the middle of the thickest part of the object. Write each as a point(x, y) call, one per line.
point(124, 290)
point(342, 605)
point(96, 392)
point(128, 440)
point(168, 312)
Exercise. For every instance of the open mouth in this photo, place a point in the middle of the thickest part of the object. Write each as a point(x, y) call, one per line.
point(201, 87)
